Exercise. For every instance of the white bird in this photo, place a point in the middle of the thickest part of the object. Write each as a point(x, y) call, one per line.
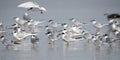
point(21, 35)
point(115, 26)
point(19, 21)
point(117, 33)
point(67, 38)
point(52, 37)
point(33, 6)
point(3, 29)
point(88, 37)
point(33, 26)
point(53, 23)
point(98, 26)
point(34, 40)
point(5, 41)
point(75, 30)
point(97, 39)
point(26, 17)
point(108, 40)
point(76, 23)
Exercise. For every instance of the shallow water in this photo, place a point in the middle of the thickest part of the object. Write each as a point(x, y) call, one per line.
point(61, 11)
point(79, 50)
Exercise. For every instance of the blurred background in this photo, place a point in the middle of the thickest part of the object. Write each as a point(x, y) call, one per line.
point(61, 11)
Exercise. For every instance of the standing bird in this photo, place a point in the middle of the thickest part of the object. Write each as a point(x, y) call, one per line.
point(98, 26)
point(33, 26)
point(34, 40)
point(3, 29)
point(21, 35)
point(108, 40)
point(5, 41)
point(20, 22)
point(26, 17)
point(32, 6)
point(76, 22)
point(53, 24)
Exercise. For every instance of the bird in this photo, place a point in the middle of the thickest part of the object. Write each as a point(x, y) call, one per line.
point(34, 39)
point(21, 35)
point(19, 21)
point(32, 6)
point(97, 39)
point(97, 25)
point(108, 40)
point(48, 29)
point(52, 37)
point(75, 22)
point(75, 30)
point(26, 17)
point(5, 41)
point(88, 37)
point(112, 16)
point(115, 26)
point(3, 29)
point(53, 23)
point(116, 33)
point(33, 25)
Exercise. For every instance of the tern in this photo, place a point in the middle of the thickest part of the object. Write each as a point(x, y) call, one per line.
point(108, 40)
point(76, 23)
point(26, 17)
point(33, 6)
point(21, 35)
point(53, 23)
point(34, 39)
point(52, 37)
point(3, 29)
point(5, 41)
point(67, 38)
point(98, 26)
point(19, 21)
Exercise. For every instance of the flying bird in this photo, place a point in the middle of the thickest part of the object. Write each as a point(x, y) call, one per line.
point(32, 6)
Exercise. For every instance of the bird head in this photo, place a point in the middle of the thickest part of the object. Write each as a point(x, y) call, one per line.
point(1, 37)
point(50, 20)
point(92, 20)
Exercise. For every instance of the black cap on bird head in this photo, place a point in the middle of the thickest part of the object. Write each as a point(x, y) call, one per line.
point(112, 16)
point(50, 20)
point(1, 36)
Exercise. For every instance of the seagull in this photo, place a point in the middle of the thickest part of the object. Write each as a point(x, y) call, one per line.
point(75, 30)
point(5, 41)
point(67, 38)
point(33, 25)
point(2, 29)
point(26, 17)
point(34, 39)
point(52, 37)
point(53, 24)
point(97, 39)
point(98, 26)
point(32, 6)
point(20, 22)
point(14, 26)
point(48, 29)
point(88, 37)
point(65, 25)
point(112, 16)
point(21, 35)
point(108, 40)
point(76, 22)
point(115, 26)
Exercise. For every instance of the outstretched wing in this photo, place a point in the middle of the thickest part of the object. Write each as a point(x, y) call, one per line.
point(28, 4)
